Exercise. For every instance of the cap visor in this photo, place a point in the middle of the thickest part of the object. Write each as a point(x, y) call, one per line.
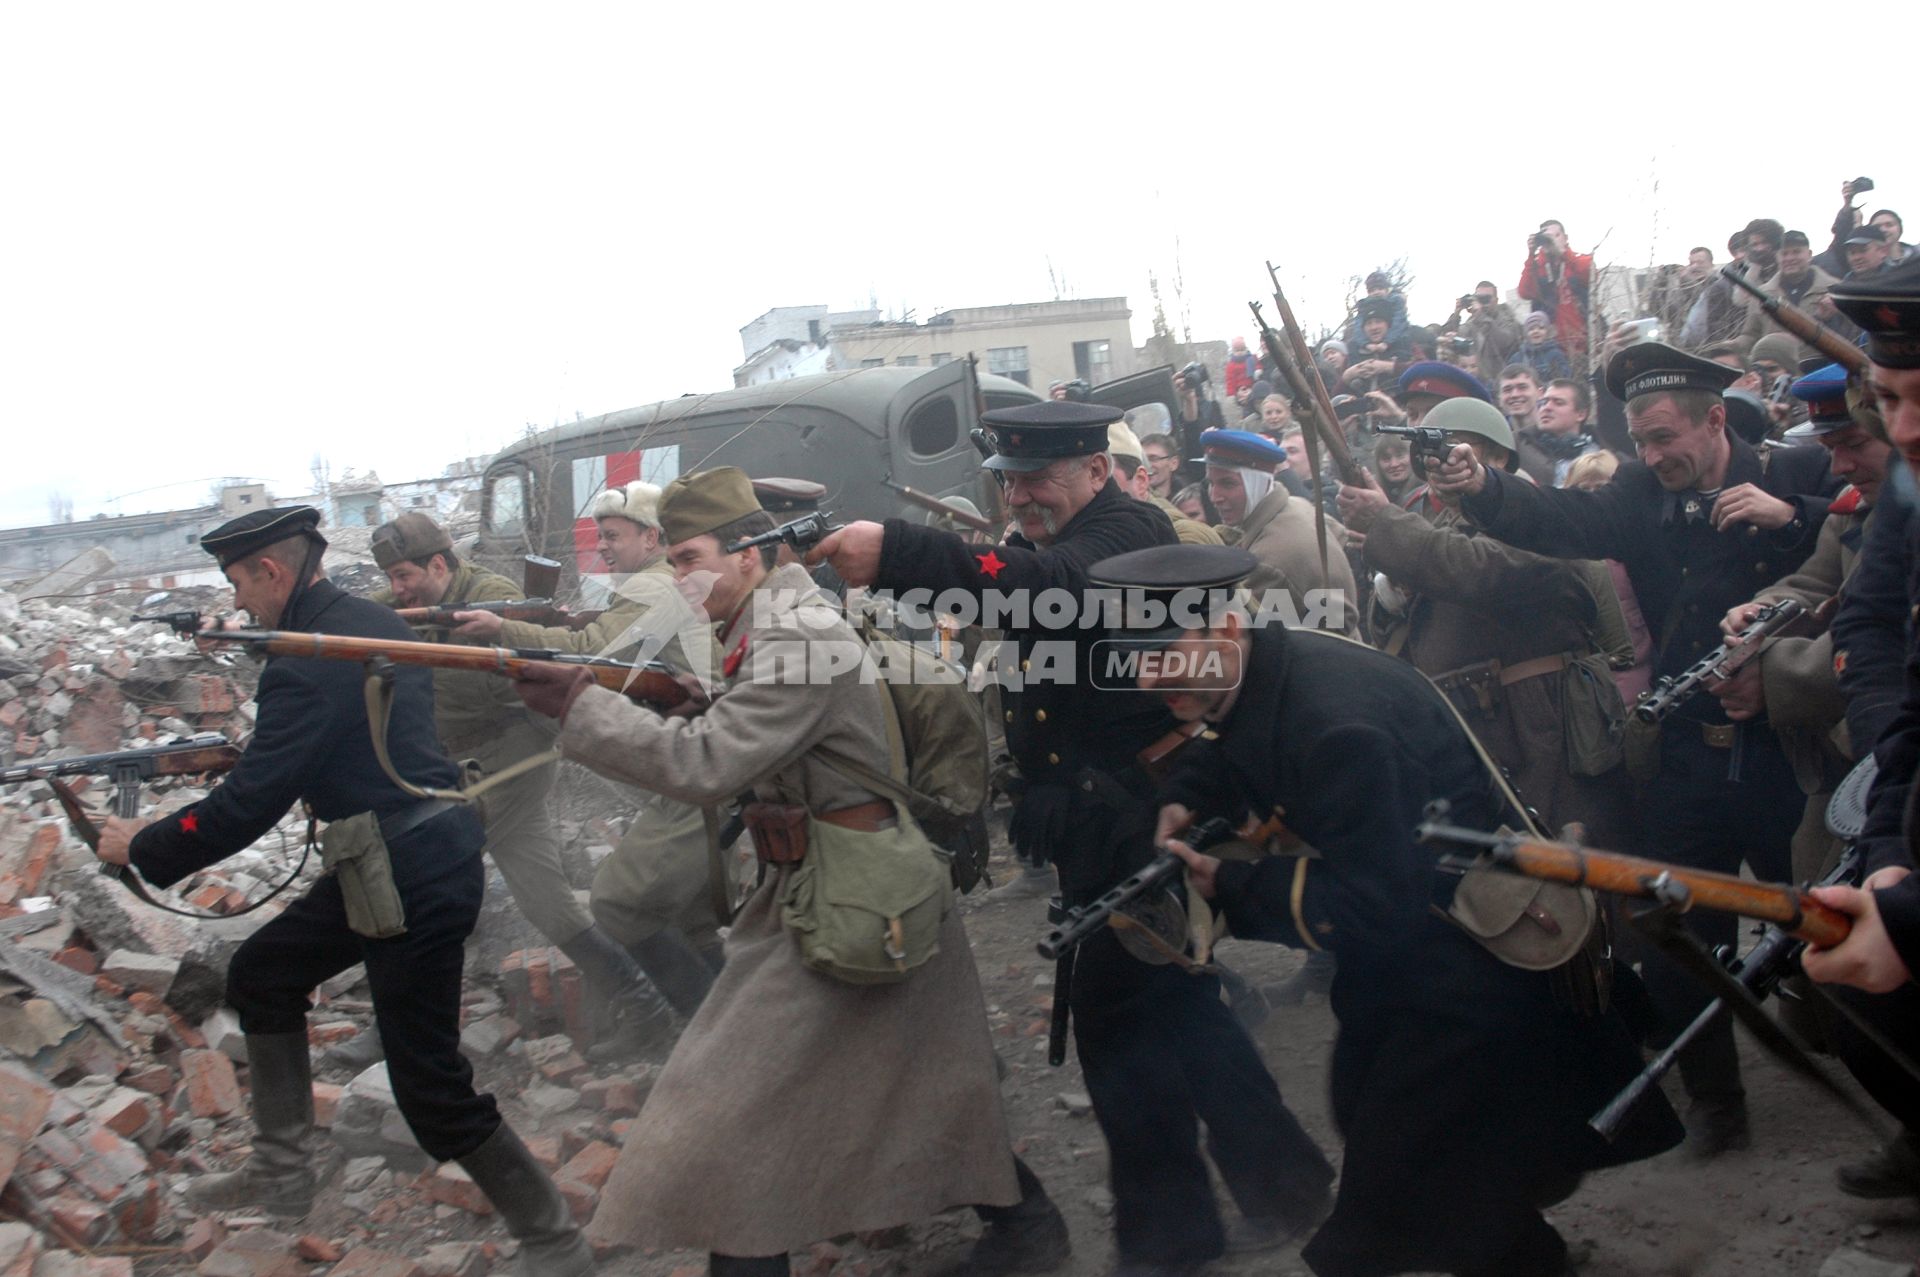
point(1020, 465)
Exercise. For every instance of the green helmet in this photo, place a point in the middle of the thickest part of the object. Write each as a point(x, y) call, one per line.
point(1474, 417)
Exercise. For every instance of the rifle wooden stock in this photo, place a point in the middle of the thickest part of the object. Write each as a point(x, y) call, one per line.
point(927, 501)
point(1801, 324)
point(1788, 908)
point(534, 611)
point(1316, 390)
point(653, 686)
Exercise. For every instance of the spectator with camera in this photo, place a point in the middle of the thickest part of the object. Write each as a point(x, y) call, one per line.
point(1490, 327)
point(1198, 412)
point(1556, 280)
point(1834, 259)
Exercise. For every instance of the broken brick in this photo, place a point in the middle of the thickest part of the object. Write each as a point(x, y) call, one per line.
point(76, 958)
point(616, 1096)
point(154, 1079)
point(317, 1250)
point(24, 1102)
point(212, 1088)
point(126, 1112)
point(326, 1102)
point(591, 1165)
point(254, 1252)
point(83, 1223)
point(33, 866)
point(202, 1236)
point(452, 1186)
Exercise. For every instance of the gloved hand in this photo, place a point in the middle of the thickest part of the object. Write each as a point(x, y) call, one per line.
point(550, 689)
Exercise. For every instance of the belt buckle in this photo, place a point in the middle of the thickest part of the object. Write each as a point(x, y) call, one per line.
point(1719, 735)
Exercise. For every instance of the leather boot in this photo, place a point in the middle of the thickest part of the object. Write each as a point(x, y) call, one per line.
point(530, 1206)
point(1891, 1171)
point(640, 1018)
point(1028, 1237)
point(678, 969)
point(279, 1175)
point(363, 1050)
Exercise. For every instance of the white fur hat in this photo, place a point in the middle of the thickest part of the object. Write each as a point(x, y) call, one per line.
point(638, 502)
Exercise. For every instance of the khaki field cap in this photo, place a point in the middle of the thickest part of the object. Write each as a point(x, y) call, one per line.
point(1122, 442)
point(695, 504)
point(638, 502)
point(411, 536)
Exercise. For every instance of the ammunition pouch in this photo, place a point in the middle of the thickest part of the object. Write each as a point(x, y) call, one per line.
point(1473, 689)
point(355, 853)
point(779, 831)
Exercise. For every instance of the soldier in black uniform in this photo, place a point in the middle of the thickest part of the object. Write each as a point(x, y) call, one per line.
point(311, 744)
point(1881, 955)
point(1702, 523)
point(1461, 1084)
point(1160, 1050)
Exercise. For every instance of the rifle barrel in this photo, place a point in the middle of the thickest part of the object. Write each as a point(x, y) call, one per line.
point(651, 685)
point(1801, 324)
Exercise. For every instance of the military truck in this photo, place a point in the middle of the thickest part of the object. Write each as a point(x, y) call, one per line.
point(852, 431)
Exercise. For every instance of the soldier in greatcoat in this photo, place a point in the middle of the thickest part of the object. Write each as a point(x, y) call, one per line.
point(796, 1107)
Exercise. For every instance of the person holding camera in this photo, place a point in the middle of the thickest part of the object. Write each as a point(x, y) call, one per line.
point(1490, 327)
point(1556, 280)
point(1199, 412)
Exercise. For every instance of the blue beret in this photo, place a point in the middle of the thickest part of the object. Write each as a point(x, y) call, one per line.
point(1825, 393)
point(1430, 377)
point(1241, 446)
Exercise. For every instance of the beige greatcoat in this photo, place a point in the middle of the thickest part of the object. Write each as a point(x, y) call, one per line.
point(657, 877)
point(796, 1107)
point(1279, 532)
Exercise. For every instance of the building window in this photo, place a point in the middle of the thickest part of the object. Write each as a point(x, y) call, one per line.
point(907, 361)
point(937, 360)
point(1009, 361)
point(873, 363)
point(1093, 361)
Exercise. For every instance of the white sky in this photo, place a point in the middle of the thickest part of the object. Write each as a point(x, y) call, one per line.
point(393, 235)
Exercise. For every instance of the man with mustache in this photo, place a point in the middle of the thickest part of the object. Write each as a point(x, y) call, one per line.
point(1160, 1050)
point(1701, 525)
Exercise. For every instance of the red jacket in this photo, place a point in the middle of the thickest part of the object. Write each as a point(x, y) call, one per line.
point(1241, 372)
point(1565, 299)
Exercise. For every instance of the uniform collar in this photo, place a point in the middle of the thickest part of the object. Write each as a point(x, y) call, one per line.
point(1687, 505)
point(316, 599)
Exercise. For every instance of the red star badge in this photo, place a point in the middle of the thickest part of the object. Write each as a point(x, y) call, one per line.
point(990, 564)
point(1888, 317)
point(190, 823)
point(730, 665)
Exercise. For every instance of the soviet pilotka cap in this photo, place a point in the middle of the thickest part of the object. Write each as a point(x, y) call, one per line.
point(1033, 436)
point(411, 536)
point(1887, 305)
point(1170, 589)
point(789, 496)
point(251, 533)
point(695, 504)
point(1649, 367)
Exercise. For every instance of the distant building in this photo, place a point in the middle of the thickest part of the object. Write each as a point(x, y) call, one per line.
point(1035, 343)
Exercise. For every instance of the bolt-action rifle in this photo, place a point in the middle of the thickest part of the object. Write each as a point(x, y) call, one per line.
point(536, 611)
point(650, 683)
point(927, 501)
point(1800, 323)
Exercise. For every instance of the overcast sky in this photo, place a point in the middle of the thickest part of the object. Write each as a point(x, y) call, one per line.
point(394, 235)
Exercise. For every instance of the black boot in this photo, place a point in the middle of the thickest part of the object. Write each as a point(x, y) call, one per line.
point(734, 1266)
point(640, 1018)
point(679, 970)
point(1892, 1171)
point(531, 1207)
point(279, 1175)
point(1710, 1071)
point(1027, 1237)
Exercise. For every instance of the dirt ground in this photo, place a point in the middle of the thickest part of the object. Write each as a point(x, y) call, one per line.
point(1771, 1210)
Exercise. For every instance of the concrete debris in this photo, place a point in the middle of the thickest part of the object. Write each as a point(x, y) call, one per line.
point(1857, 1263)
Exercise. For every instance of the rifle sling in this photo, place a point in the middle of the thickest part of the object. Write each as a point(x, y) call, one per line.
point(379, 693)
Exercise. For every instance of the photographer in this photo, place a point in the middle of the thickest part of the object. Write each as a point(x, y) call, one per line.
point(1556, 280)
point(1198, 412)
point(1377, 358)
point(1834, 260)
point(1479, 317)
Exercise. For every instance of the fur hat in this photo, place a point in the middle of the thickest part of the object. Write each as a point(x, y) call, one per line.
point(638, 502)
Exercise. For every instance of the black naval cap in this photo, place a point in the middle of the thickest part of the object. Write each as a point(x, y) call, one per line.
point(251, 533)
point(789, 496)
point(1648, 366)
point(1033, 436)
point(1887, 305)
point(1169, 589)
